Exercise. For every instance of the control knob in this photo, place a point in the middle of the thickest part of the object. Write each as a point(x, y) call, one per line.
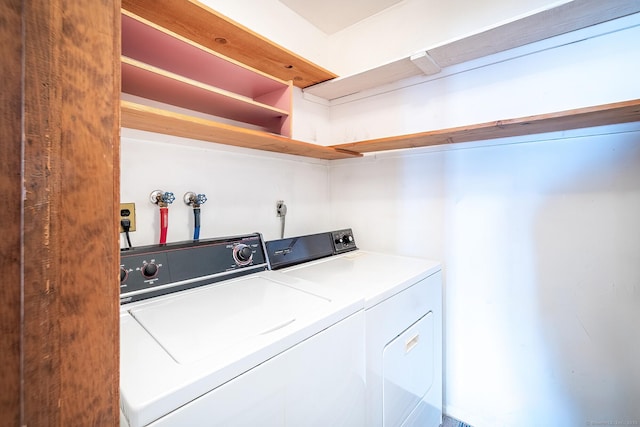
point(150, 270)
point(242, 254)
point(344, 239)
point(123, 275)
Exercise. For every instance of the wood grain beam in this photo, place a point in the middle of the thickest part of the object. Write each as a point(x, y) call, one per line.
point(10, 214)
point(60, 158)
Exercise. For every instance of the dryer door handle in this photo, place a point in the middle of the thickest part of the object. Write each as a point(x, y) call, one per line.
point(411, 343)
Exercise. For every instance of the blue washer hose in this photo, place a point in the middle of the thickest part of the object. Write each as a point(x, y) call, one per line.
point(196, 223)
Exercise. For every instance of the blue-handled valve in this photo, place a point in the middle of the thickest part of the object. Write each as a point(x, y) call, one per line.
point(192, 199)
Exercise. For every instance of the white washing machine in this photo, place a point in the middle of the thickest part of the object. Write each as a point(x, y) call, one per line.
point(210, 337)
point(403, 327)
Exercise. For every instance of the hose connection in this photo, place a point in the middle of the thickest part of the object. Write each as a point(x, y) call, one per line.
point(195, 200)
point(163, 199)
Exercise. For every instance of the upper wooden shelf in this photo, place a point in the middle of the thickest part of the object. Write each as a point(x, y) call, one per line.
point(208, 28)
point(539, 25)
point(142, 117)
point(606, 114)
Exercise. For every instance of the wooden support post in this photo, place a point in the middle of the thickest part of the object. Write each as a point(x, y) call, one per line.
point(59, 158)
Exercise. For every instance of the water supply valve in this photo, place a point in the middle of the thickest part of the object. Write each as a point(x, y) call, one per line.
point(195, 200)
point(162, 198)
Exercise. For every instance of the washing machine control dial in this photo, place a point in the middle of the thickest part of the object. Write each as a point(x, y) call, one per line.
point(150, 270)
point(242, 254)
point(123, 275)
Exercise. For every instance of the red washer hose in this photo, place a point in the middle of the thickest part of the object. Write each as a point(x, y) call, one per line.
point(164, 224)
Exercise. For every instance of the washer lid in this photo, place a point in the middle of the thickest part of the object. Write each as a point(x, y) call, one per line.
point(199, 324)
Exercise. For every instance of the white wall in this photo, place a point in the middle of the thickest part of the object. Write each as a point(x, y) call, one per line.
point(542, 268)
point(311, 120)
point(242, 187)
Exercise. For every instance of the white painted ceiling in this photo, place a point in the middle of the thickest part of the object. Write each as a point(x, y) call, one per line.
point(332, 16)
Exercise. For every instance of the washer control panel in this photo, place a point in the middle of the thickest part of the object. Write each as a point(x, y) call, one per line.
point(343, 241)
point(150, 271)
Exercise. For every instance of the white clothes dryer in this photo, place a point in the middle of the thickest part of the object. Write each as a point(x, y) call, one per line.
point(403, 327)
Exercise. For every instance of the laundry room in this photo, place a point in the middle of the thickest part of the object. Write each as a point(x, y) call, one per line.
point(499, 144)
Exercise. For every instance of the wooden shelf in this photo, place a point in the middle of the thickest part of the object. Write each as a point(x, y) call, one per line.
point(607, 114)
point(165, 67)
point(182, 65)
point(208, 28)
point(152, 119)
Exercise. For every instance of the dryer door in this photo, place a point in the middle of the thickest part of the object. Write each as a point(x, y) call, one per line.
point(407, 370)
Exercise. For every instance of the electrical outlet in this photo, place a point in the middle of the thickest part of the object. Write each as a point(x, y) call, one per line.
point(281, 208)
point(128, 211)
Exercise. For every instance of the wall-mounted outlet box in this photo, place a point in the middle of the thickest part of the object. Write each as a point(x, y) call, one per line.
point(128, 211)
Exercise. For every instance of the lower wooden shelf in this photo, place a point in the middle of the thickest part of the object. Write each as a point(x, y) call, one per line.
point(152, 119)
point(606, 114)
point(142, 117)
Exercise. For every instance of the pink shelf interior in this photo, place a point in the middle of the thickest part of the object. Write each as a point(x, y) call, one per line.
point(147, 84)
point(154, 47)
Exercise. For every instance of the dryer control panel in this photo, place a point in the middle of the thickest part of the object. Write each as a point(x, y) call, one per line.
point(156, 270)
point(297, 250)
point(343, 241)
